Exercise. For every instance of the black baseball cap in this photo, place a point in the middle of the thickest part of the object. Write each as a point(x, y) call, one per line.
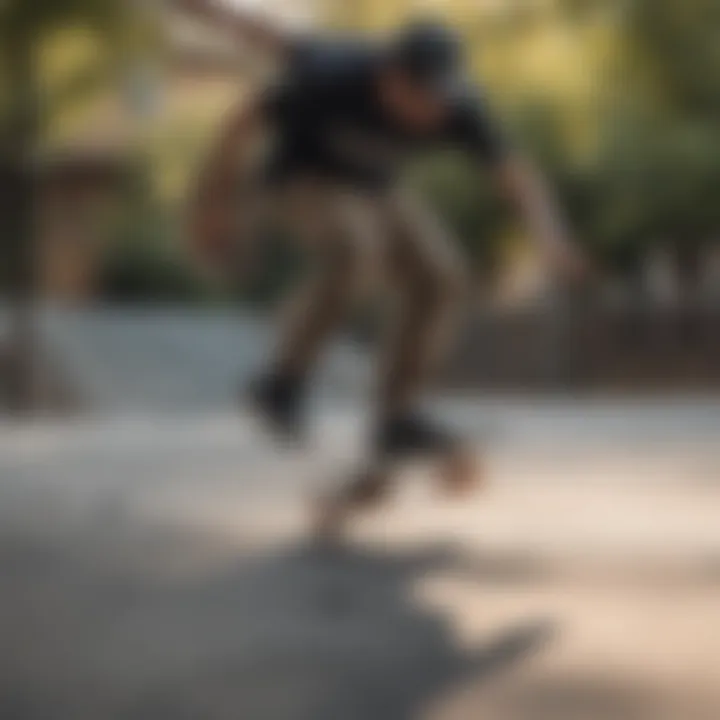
point(431, 54)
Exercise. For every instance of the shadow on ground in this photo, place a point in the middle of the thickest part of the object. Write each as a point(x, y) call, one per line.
point(296, 634)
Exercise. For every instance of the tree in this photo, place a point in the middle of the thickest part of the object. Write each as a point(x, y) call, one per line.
point(26, 110)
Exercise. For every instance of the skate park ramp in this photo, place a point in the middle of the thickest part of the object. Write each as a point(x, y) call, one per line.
point(156, 561)
point(155, 568)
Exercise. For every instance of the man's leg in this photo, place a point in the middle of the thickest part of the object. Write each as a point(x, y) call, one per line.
point(344, 234)
point(428, 278)
point(341, 229)
point(430, 281)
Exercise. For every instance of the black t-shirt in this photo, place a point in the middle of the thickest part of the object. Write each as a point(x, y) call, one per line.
point(329, 123)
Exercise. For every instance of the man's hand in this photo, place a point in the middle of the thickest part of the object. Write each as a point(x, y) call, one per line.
point(525, 187)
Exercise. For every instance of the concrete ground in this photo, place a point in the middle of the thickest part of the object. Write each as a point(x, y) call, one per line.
point(158, 568)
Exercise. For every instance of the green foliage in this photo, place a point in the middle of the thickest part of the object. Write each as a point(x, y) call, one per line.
point(676, 43)
point(147, 269)
point(143, 261)
point(33, 21)
point(652, 172)
point(123, 30)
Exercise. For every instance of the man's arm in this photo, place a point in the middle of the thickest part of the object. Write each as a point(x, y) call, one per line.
point(523, 185)
point(475, 129)
point(213, 226)
point(243, 24)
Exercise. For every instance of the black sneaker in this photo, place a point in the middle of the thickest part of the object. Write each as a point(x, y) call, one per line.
point(413, 435)
point(277, 399)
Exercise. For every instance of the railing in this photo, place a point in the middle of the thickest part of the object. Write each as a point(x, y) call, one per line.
point(638, 348)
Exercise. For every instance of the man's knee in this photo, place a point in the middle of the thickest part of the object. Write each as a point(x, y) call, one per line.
point(441, 281)
point(426, 257)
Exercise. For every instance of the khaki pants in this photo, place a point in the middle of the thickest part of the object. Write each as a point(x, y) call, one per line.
point(364, 242)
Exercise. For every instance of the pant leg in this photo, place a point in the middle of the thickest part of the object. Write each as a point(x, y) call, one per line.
point(342, 230)
point(428, 275)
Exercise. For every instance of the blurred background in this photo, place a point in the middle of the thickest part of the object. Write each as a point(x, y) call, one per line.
point(109, 108)
point(151, 544)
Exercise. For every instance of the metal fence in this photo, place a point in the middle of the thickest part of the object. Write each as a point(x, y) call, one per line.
point(632, 348)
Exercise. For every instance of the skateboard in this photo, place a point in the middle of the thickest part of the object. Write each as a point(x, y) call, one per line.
point(457, 473)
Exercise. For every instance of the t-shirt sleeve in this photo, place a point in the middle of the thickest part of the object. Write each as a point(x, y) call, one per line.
point(476, 132)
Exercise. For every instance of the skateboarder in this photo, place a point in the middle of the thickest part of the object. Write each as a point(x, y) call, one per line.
point(341, 117)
